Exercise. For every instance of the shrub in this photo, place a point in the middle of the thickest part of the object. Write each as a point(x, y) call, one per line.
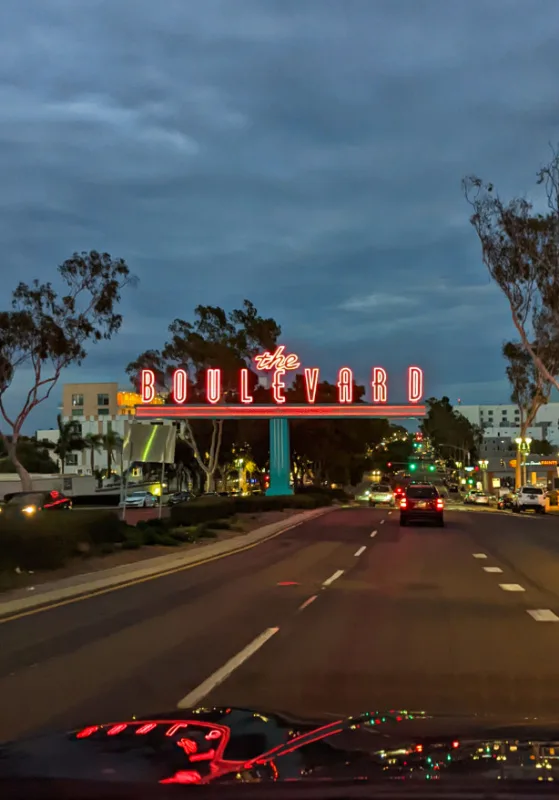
point(203, 510)
point(50, 539)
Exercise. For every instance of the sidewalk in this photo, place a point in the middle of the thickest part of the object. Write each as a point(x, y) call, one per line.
point(20, 600)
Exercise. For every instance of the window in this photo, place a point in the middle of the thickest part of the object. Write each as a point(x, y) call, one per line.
point(77, 412)
point(71, 460)
point(103, 412)
point(422, 491)
point(77, 400)
point(102, 399)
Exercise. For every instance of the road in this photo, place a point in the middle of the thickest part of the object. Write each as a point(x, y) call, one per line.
point(346, 612)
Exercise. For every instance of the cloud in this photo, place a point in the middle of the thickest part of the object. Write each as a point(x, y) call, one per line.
point(305, 155)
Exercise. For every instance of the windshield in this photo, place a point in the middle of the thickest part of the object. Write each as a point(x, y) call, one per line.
point(33, 498)
point(262, 262)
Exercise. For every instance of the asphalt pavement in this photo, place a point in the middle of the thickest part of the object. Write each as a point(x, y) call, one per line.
point(344, 613)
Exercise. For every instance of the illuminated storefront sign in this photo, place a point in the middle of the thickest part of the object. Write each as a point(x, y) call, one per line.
point(278, 364)
point(512, 463)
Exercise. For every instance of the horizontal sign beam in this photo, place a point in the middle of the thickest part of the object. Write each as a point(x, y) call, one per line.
point(234, 411)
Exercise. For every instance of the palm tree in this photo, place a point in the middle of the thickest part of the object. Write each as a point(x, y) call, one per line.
point(69, 439)
point(111, 442)
point(94, 443)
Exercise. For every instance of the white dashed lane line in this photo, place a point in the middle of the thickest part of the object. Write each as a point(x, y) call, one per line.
point(360, 551)
point(197, 694)
point(373, 534)
point(492, 569)
point(382, 522)
point(479, 555)
point(333, 577)
point(512, 587)
point(543, 615)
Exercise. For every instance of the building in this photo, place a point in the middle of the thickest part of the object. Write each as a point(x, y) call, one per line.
point(502, 421)
point(98, 409)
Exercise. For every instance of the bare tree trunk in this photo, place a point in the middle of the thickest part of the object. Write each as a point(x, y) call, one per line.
point(24, 476)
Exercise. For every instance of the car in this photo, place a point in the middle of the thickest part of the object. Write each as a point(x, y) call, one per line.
point(479, 499)
point(179, 497)
point(28, 503)
point(381, 494)
point(139, 499)
point(529, 497)
point(399, 492)
point(422, 503)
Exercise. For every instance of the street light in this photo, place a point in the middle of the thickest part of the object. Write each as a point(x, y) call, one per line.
point(483, 464)
point(523, 448)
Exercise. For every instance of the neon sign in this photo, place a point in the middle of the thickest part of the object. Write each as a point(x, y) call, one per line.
point(279, 363)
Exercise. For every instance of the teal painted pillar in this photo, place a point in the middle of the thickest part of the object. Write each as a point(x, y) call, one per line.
point(280, 458)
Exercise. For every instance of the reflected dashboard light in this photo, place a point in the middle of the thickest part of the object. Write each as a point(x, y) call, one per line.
point(29, 510)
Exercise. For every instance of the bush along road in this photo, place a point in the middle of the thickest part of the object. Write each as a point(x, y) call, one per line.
point(51, 541)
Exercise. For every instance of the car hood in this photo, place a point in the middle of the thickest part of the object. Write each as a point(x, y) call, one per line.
point(238, 745)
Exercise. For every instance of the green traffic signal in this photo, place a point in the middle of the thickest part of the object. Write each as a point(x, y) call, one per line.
point(431, 468)
point(413, 467)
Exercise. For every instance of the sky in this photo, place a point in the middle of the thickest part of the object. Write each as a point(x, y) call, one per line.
point(304, 154)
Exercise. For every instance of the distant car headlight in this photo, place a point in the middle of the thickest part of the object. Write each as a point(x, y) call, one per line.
point(29, 510)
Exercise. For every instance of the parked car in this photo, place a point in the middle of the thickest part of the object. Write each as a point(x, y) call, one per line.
point(477, 498)
point(179, 497)
point(381, 494)
point(29, 503)
point(139, 499)
point(422, 503)
point(529, 497)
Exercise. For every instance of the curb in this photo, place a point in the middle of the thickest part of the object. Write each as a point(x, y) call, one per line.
point(159, 567)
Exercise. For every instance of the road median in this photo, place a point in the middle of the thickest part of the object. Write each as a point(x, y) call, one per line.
point(58, 592)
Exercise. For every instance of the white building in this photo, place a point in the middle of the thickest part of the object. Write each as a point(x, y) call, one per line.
point(96, 408)
point(502, 421)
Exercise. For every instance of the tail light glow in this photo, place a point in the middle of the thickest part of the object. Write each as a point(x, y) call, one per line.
point(439, 503)
point(403, 503)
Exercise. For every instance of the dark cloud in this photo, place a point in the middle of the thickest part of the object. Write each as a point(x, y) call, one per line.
point(307, 155)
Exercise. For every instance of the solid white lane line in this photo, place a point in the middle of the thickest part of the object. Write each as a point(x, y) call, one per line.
point(543, 615)
point(361, 550)
point(479, 555)
point(373, 534)
point(207, 686)
point(382, 522)
point(307, 602)
point(492, 569)
point(512, 587)
point(334, 577)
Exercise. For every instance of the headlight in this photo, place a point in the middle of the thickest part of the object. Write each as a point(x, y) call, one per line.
point(29, 510)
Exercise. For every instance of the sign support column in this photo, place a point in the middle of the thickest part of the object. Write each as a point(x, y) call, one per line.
point(280, 458)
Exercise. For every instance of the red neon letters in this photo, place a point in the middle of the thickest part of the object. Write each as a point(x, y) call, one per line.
point(180, 386)
point(147, 380)
point(277, 360)
point(415, 384)
point(345, 383)
point(278, 386)
point(311, 383)
point(245, 396)
point(213, 385)
point(380, 392)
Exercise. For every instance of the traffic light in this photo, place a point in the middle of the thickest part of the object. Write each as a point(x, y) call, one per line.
point(413, 467)
point(431, 467)
point(389, 464)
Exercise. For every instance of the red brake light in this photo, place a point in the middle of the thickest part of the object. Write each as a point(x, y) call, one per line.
point(440, 503)
point(403, 503)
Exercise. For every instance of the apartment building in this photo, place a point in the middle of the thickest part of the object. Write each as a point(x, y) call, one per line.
point(502, 421)
point(96, 408)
